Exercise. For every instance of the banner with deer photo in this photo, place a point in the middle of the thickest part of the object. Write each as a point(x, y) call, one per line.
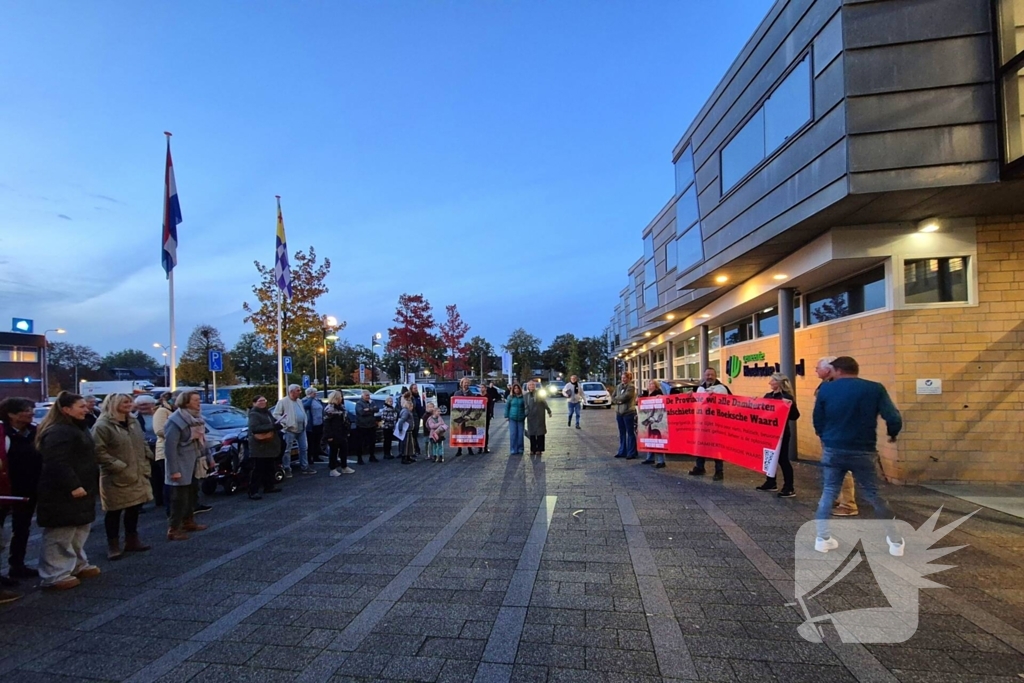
point(742, 430)
point(468, 422)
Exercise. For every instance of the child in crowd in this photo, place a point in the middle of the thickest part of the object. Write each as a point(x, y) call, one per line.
point(437, 428)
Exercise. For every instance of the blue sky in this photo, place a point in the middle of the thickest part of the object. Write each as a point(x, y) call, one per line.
point(502, 156)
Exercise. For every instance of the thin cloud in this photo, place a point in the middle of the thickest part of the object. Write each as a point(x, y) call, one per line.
point(106, 198)
point(60, 215)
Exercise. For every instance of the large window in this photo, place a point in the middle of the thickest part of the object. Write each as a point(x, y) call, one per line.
point(19, 354)
point(739, 331)
point(768, 319)
point(649, 246)
point(1011, 73)
point(684, 169)
point(785, 112)
point(864, 292)
point(687, 249)
point(935, 280)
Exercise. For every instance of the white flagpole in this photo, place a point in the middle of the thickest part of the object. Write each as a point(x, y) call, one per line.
point(280, 350)
point(174, 369)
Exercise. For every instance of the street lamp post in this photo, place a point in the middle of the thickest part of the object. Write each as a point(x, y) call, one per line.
point(167, 379)
point(374, 341)
point(330, 324)
point(46, 361)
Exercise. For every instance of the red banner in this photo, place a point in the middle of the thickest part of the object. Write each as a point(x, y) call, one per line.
point(468, 422)
point(742, 430)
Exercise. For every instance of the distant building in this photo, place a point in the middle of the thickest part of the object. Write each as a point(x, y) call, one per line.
point(23, 365)
point(853, 187)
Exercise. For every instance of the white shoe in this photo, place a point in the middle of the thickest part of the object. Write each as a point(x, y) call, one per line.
point(348, 470)
point(336, 472)
point(823, 545)
point(896, 549)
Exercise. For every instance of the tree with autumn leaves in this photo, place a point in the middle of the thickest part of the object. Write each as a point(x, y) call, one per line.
point(301, 325)
point(414, 342)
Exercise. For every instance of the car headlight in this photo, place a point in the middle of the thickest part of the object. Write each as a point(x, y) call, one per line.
point(542, 393)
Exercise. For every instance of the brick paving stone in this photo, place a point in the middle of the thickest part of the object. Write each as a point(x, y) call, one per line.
point(582, 617)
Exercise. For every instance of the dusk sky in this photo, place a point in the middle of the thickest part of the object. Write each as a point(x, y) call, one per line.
point(502, 156)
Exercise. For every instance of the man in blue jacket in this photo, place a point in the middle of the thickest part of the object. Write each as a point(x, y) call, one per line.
point(846, 413)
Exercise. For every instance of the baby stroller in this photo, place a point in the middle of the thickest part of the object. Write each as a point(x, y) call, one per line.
point(233, 466)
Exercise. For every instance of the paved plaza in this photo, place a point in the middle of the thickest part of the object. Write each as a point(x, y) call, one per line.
point(570, 567)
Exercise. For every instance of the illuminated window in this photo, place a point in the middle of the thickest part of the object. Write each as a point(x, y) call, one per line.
point(935, 280)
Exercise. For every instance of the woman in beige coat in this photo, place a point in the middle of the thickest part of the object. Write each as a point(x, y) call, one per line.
point(124, 472)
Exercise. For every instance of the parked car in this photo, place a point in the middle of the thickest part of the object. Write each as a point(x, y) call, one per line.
point(427, 393)
point(683, 386)
point(554, 389)
point(595, 395)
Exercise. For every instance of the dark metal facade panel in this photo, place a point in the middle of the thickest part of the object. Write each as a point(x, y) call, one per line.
point(921, 108)
point(911, 21)
point(917, 66)
point(781, 47)
point(824, 170)
point(829, 88)
point(923, 147)
point(820, 138)
point(929, 176)
point(828, 44)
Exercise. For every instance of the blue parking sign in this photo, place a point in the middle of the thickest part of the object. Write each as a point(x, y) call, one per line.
point(305, 381)
point(216, 361)
point(287, 365)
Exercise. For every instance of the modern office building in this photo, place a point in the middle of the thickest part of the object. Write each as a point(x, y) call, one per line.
point(853, 187)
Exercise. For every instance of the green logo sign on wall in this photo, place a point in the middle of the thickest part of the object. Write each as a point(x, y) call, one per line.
point(733, 367)
point(736, 365)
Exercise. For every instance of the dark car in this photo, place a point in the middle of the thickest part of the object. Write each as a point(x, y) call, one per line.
point(683, 386)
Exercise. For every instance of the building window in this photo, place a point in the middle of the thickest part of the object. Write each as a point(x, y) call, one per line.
point(784, 113)
point(739, 331)
point(714, 339)
point(649, 247)
point(935, 280)
point(684, 170)
point(686, 211)
point(689, 248)
point(1010, 26)
point(19, 354)
point(864, 292)
point(768, 319)
point(650, 275)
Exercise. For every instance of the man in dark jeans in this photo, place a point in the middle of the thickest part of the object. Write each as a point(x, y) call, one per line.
point(710, 385)
point(366, 427)
point(25, 465)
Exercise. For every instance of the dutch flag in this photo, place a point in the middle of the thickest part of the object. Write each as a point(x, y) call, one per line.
point(172, 216)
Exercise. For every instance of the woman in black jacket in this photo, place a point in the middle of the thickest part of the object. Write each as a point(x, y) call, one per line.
point(68, 486)
point(337, 429)
point(782, 389)
point(264, 450)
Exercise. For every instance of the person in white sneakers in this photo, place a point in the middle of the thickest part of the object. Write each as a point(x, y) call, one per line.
point(846, 413)
point(574, 393)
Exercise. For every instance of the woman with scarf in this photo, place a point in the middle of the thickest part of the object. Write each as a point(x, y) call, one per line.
point(185, 444)
point(67, 493)
point(122, 453)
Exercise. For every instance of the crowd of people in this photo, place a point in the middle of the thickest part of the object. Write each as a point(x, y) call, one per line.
point(845, 419)
point(54, 472)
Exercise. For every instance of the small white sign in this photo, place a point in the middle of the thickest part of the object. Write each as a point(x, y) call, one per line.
point(929, 386)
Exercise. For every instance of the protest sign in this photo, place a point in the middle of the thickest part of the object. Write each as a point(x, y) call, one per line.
point(742, 430)
point(468, 422)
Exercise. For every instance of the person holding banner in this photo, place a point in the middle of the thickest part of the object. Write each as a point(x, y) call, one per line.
point(463, 390)
point(652, 424)
point(710, 385)
point(624, 400)
point(515, 413)
point(536, 422)
point(782, 389)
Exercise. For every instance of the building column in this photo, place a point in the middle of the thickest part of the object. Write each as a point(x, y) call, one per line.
point(787, 352)
point(650, 366)
point(670, 359)
point(705, 351)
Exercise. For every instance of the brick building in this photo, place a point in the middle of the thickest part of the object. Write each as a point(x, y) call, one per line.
point(858, 169)
point(22, 365)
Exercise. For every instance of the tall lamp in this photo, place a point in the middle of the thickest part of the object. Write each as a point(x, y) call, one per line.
point(374, 341)
point(46, 362)
point(330, 325)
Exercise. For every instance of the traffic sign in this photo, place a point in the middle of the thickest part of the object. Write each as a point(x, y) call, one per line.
point(362, 373)
point(287, 365)
point(216, 360)
point(305, 381)
point(21, 325)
